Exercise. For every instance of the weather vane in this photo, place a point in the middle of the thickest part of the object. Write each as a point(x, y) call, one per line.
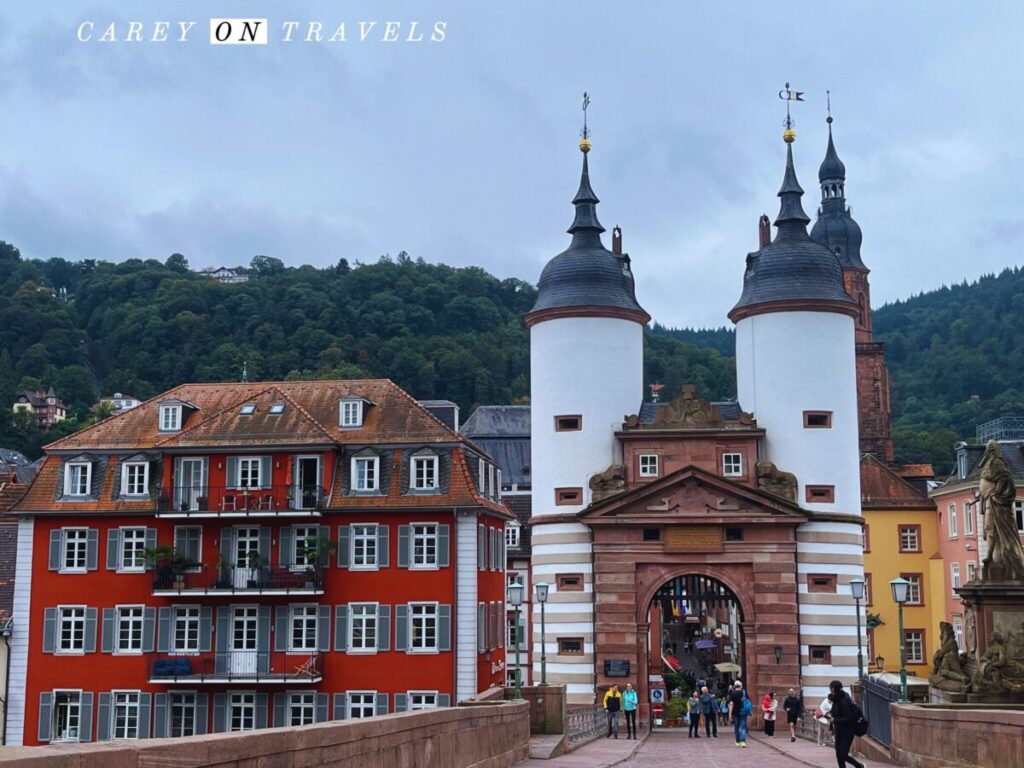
point(828, 106)
point(787, 96)
point(585, 133)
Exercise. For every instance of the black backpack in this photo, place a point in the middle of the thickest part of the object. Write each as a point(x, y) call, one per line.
point(860, 725)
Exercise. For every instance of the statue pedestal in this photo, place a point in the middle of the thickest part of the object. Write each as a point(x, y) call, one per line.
point(995, 605)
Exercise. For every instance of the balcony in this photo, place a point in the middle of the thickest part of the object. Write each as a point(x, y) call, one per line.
point(191, 501)
point(237, 666)
point(239, 579)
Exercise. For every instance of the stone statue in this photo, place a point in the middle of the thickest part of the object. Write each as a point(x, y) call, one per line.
point(996, 673)
point(1005, 558)
point(947, 670)
point(773, 480)
point(688, 410)
point(970, 632)
point(608, 483)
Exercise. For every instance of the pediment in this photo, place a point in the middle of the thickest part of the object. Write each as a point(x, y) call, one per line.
point(691, 494)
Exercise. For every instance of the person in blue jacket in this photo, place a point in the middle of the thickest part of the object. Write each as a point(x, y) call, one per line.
point(629, 705)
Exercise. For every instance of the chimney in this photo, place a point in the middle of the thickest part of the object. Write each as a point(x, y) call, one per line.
point(764, 231)
point(617, 241)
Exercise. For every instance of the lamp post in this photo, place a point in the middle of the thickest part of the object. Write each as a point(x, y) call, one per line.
point(900, 592)
point(857, 590)
point(879, 662)
point(542, 597)
point(515, 598)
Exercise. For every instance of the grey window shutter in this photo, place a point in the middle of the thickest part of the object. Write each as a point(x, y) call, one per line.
point(56, 547)
point(227, 545)
point(220, 712)
point(103, 718)
point(487, 626)
point(281, 628)
point(92, 552)
point(341, 628)
point(150, 545)
point(323, 705)
point(344, 546)
point(401, 702)
point(202, 712)
point(262, 702)
point(382, 704)
point(481, 628)
point(403, 546)
point(444, 627)
point(163, 633)
point(285, 556)
point(443, 545)
point(383, 627)
point(339, 706)
point(205, 628)
point(223, 636)
point(280, 710)
point(444, 700)
point(160, 716)
point(232, 473)
point(323, 630)
point(265, 476)
point(263, 629)
point(45, 715)
point(499, 624)
point(148, 629)
point(144, 713)
point(481, 549)
point(91, 615)
point(113, 549)
point(85, 717)
point(324, 534)
point(401, 627)
point(107, 641)
point(383, 546)
point(49, 630)
point(265, 543)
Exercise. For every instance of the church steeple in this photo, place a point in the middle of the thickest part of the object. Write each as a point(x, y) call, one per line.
point(835, 227)
point(791, 221)
point(832, 176)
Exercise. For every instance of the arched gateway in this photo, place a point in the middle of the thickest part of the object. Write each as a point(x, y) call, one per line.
point(683, 556)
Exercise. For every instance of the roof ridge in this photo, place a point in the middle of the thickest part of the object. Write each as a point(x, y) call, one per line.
point(304, 412)
point(212, 416)
point(458, 435)
point(901, 481)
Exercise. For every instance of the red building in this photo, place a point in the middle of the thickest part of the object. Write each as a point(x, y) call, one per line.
point(236, 556)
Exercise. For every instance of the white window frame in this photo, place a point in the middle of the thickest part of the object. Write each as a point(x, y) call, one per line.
point(415, 705)
point(915, 581)
point(170, 418)
point(186, 617)
point(131, 535)
point(513, 530)
point(254, 466)
point(972, 570)
point(968, 518)
point(127, 705)
point(127, 481)
point(422, 563)
point(184, 705)
point(351, 414)
point(125, 616)
point(302, 617)
point(77, 704)
point(1018, 511)
point(482, 472)
point(58, 640)
point(915, 533)
point(952, 521)
point(241, 700)
point(650, 464)
point(299, 560)
point(919, 659)
point(305, 704)
point(958, 632)
point(73, 481)
point(426, 611)
point(429, 467)
point(954, 576)
point(80, 537)
point(374, 463)
point(351, 707)
point(366, 614)
point(736, 460)
point(490, 474)
point(364, 534)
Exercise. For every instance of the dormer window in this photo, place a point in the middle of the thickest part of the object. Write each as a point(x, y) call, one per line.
point(170, 418)
point(248, 409)
point(351, 414)
point(365, 475)
point(135, 478)
point(77, 478)
point(424, 473)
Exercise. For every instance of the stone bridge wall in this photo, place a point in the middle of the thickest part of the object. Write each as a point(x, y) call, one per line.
point(957, 737)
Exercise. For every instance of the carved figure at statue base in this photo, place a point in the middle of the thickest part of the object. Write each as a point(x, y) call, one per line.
point(947, 669)
point(1005, 558)
point(773, 480)
point(608, 483)
point(996, 672)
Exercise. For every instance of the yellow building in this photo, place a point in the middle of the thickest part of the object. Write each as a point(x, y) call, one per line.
point(900, 540)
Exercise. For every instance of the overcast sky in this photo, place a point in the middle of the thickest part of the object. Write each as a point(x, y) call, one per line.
point(464, 151)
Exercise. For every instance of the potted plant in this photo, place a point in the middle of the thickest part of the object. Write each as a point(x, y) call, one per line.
point(675, 712)
point(316, 552)
point(169, 566)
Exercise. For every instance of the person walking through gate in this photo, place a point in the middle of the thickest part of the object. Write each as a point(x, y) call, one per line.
point(739, 710)
point(844, 716)
point(612, 705)
point(629, 704)
point(693, 710)
point(793, 708)
point(709, 708)
point(769, 705)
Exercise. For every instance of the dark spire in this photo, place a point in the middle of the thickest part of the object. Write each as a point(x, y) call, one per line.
point(585, 229)
point(791, 218)
point(832, 168)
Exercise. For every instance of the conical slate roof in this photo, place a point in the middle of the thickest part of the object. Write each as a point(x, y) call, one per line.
point(835, 227)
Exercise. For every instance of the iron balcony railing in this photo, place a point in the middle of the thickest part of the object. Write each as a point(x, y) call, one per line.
point(229, 666)
point(186, 500)
point(231, 579)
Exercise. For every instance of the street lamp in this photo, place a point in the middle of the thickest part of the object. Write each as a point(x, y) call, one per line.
point(857, 590)
point(879, 662)
point(900, 593)
point(515, 599)
point(542, 597)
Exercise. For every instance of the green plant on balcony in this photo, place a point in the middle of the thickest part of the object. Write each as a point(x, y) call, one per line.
point(873, 620)
point(315, 553)
point(169, 564)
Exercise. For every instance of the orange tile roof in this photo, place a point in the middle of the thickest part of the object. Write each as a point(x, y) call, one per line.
point(882, 488)
point(916, 470)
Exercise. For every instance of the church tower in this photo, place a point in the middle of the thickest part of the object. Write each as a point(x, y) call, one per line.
point(586, 374)
point(836, 229)
point(795, 367)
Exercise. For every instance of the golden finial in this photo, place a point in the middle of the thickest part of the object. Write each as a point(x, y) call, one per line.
point(585, 133)
point(789, 135)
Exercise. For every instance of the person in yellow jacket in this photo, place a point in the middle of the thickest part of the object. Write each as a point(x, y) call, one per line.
point(612, 706)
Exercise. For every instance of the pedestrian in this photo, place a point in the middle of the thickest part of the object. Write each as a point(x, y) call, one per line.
point(769, 705)
point(693, 710)
point(612, 705)
point(794, 708)
point(709, 708)
point(723, 708)
point(739, 710)
point(629, 704)
point(844, 716)
point(824, 724)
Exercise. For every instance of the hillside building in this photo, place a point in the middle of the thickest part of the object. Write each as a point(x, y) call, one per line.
point(45, 406)
point(230, 275)
point(120, 402)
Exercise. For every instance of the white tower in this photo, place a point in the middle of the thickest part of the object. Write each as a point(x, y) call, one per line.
point(586, 374)
point(796, 371)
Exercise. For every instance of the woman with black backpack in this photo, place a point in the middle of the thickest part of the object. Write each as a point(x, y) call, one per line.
point(846, 720)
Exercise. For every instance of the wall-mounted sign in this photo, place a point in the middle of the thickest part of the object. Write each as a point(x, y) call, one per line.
point(657, 695)
point(616, 668)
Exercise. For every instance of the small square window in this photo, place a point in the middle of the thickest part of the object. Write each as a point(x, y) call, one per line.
point(568, 423)
point(649, 465)
point(733, 534)
point(819, 654)
point(569, 582)
point(277, 408)
point(910, 538)
point(248, 409)
point(818, 419)
point(351, 414)
point(568, 496)
point(732, 464)
point(570, 646)
point(652, 534)
point(821, 582)
point(820, 494)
